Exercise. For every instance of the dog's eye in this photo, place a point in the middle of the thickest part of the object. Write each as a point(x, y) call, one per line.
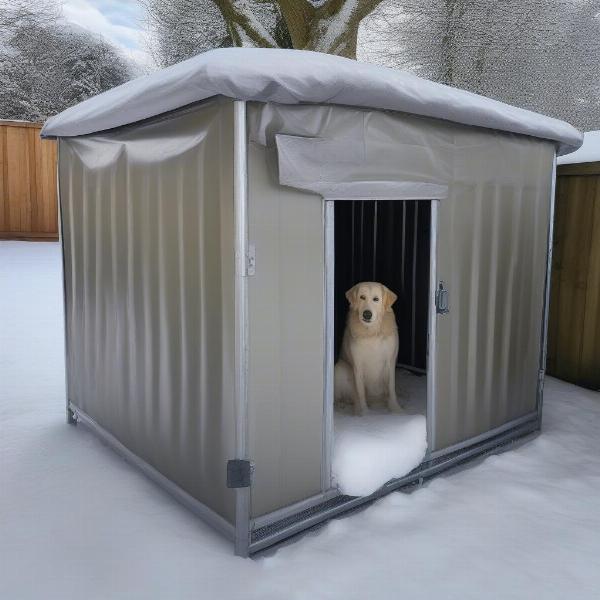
point(362, 298)
point(376, 299)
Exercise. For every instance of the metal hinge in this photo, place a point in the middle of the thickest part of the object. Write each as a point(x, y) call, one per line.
point(239, 473)
point(442, 300)
point(251, 260)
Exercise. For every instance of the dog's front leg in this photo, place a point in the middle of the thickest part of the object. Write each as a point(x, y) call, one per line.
point(360, 396)
point(392, 399)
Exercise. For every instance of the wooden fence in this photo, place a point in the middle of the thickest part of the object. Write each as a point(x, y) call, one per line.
point(28, 199)
point(574, 326)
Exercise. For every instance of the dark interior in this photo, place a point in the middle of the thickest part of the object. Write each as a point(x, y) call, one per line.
point(386, 241)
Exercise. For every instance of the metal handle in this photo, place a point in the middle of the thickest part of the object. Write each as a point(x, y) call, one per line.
point(442, 300)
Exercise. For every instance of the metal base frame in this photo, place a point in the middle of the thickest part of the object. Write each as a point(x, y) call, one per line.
point(277, 532)
point(201, 510)
point(492, 433)
point(293, 509)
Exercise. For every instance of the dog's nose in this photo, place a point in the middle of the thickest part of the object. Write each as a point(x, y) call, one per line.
point(367, 314)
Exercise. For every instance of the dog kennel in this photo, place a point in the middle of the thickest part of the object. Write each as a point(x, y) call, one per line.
point(201, 209)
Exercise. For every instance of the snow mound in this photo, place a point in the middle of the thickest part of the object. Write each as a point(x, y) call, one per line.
point(371, 450)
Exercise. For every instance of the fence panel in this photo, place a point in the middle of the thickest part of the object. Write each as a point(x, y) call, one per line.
point(28, 198)
point(574, 327)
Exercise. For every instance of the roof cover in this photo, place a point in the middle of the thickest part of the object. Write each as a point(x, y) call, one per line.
point(589, 152)
point(295, 77)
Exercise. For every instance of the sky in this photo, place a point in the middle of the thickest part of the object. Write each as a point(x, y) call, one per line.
point(119, 21)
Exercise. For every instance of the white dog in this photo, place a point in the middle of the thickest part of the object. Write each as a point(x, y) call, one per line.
point(367, 365)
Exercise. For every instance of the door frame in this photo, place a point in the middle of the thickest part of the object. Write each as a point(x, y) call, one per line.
point(329, 320)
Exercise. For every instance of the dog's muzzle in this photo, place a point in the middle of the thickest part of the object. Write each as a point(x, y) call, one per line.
point(367, 315)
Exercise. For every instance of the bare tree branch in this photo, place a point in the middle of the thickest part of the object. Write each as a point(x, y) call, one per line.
point(182, 28)
point(538, 54)
point(47, 64)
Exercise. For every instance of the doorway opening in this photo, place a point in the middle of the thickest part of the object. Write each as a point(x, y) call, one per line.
point(387, 242)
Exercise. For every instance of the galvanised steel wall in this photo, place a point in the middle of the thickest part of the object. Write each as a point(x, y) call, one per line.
point(491, 247)
point(492, 256)
point(147, 225)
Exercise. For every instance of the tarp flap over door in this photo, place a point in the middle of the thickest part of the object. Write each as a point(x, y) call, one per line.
point(491, 254)
point(338, 169)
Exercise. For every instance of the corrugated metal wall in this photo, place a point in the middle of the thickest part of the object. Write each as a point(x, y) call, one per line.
point(492, 243)
point(147, 222)
point(286, 339)
point(491, 249)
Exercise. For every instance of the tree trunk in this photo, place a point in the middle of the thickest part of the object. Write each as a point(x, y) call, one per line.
point(331, 27)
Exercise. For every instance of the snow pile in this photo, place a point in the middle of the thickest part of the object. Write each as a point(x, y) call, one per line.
point(372, 449)
point(589, 152)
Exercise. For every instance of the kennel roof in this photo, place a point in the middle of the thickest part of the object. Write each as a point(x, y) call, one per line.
point(299, 77)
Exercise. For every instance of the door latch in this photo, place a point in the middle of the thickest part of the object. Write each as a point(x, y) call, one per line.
point(442, 300)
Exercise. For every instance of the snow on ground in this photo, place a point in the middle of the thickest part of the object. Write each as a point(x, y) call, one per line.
point(77, 522)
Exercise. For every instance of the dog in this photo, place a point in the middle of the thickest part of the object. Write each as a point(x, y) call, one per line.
point(366, 369)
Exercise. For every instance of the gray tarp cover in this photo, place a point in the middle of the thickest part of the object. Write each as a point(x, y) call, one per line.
point(296, 77)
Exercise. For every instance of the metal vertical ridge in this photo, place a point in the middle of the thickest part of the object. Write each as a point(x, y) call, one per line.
point(114, 354)
point(184, 366)
point(491, 332)
point(374, 267)
point(240, 201)
point(402, 258)
point(131, 312)
point(432, 330)
point(413, 302)
point(328, 432)
point(508, 312)
point(472, 296)
point(98, 341)
point(547, 283)
point(70, 416)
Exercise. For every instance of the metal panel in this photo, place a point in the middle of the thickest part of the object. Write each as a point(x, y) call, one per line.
point(212, 518)
point(492, 242)
point(286, 339)
point(147, 215)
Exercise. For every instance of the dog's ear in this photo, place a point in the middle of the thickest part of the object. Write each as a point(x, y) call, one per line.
point(351, 294)
point(388, 297)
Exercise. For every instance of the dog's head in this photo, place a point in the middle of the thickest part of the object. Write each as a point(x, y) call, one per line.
point(370, 300)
